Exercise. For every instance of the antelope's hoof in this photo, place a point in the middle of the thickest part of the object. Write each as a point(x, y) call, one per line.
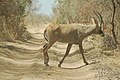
point(59, 65)
point(46, 65)
point(86, 63)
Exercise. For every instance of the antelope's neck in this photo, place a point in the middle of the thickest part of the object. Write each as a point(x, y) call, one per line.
point(90, 32)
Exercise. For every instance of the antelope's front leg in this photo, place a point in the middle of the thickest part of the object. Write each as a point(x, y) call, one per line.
point(83, 56)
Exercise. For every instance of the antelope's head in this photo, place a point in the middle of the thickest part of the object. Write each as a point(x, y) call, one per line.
point(98, 29)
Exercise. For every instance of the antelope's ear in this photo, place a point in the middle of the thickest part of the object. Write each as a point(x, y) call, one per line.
point(94, 21)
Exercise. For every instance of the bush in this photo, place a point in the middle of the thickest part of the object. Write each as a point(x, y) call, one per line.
point(12, 14)
point(108, 43)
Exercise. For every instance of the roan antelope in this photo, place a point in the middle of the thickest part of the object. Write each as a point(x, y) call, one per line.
point(71, 34)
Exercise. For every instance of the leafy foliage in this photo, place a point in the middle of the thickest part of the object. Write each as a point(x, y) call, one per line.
point(12, 14)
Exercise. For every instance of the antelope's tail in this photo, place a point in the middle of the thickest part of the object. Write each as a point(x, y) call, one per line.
point(45, 36)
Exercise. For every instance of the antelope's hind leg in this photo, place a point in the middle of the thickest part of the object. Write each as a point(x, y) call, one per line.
point(67, 52)
point(46, 56)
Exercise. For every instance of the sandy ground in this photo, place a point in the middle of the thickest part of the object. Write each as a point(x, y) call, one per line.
point(24, 61)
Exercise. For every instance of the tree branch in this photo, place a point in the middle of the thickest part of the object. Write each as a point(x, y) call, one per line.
point(112, 21)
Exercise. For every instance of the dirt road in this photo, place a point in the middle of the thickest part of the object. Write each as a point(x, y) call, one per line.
point(24, 61)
